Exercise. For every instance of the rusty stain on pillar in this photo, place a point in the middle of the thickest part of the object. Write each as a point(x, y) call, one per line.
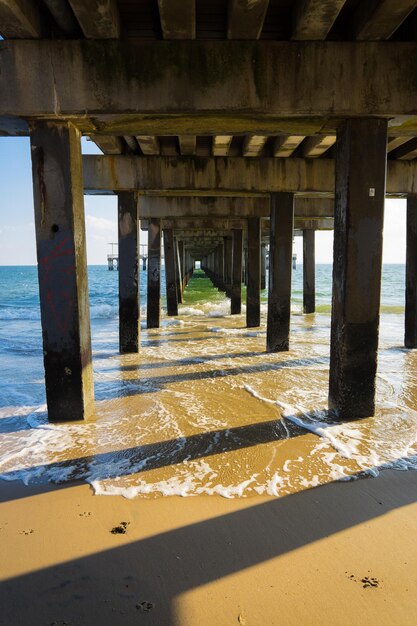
point(410, 336)
point(309, 274)
point(359, 210)
point(129, 280)
point(154, 273)
point(236, 294)
point(62, 269)
point(280, 269)
point(171, 285)
point(253, 273)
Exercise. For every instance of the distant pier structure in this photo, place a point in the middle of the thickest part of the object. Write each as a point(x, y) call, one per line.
point(224, 133)
point(113, 257)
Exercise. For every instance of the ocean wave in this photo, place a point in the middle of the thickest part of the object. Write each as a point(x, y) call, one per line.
point(19, 313)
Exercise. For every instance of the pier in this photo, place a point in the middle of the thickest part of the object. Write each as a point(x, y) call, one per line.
point(221, 156)
point(113, 257)
point(225, 130)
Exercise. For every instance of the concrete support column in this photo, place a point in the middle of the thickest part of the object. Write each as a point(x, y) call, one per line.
point(280, 268)
point(263, 266)
point(154, 273)
point(171, 285)
point(181, 264)
point(236, 294)
point(253, 273)
point(228, 248)
point(410, 336)
point(309, 273)
point(359, 211)
point(221, 267)
point(178, 278)
point(62, 269)
point(129, 280)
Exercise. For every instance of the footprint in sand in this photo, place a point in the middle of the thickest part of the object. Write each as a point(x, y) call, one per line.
point(145, 607)
point(85, 514)
point(28, 531)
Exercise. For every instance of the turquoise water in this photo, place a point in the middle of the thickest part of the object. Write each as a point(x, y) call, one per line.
point(20, 332)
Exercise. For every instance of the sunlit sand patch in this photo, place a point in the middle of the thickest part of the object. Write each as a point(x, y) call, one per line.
point(205, 410)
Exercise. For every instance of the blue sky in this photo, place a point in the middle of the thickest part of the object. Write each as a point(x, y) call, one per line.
point(17, 230)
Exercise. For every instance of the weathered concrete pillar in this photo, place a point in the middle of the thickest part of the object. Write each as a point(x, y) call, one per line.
point(178, 278)
point(410, 336)
point(280, 268)
point(253, 273)
point(154, 273)
point(359, 211)
point(228, 249)
point(181, 264)
point(129, 280)
point(309, 273)
point(171, 285)
point(263, 266)
point(221, 267)
point(62, 269)
point(236, 293)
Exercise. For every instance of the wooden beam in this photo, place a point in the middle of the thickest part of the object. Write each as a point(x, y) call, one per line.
point(149, 144)
point(317, 145)
point(177, 18)
point(108, 144)
point(378, 21)
point(99, 19)
point(285, 146)
point(396, 142)
point(221, 144)
point(20, 19)
point(253, 145)
point(313, 19)
point(246, 18)
point(187, 144)
point(407, 150)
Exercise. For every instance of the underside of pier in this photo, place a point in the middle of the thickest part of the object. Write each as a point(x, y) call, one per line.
point(226, 129)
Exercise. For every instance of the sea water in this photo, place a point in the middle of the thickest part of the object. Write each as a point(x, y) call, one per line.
point(203, 408)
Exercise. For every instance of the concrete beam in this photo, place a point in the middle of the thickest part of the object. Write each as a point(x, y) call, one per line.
point(218, 206)
point(99, 19)
point(222, 88)
point(20, 19)
point(246, 18)
point(313, 19)
point(380, 20)
point(236, 176)
point(177, 18)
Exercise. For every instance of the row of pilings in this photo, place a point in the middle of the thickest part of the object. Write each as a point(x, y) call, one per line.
point(358, 227)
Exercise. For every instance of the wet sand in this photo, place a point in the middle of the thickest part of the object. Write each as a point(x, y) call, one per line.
point(343, 553)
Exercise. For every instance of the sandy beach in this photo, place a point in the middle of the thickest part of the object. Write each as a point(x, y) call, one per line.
point(342, 553)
